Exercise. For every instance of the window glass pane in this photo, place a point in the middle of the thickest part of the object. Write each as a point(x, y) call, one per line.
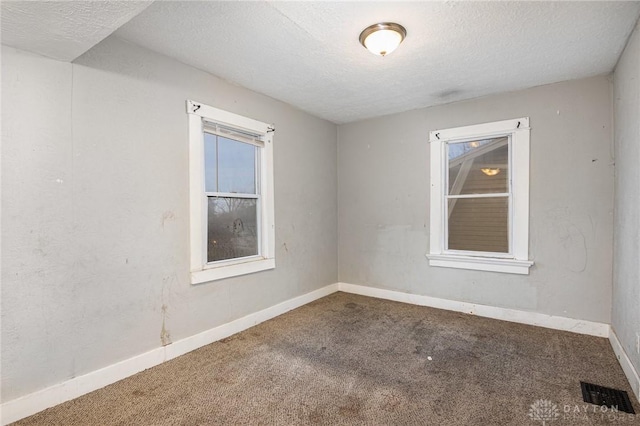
point(479, 167)
point(232, 228)
point(210, 163)
point(479, 224)
point(236, 166)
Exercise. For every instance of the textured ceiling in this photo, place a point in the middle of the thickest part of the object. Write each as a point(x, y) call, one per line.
point(63, 30)
point(308, 55)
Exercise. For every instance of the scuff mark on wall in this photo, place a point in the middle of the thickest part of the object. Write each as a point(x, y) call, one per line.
point(576, 246)
point(572, 239)
point(167, 283)
point(167, 217)
point(165, 336)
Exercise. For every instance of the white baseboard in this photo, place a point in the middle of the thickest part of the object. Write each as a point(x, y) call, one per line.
point(27, 405)
point(505, 314)
point(625, 362)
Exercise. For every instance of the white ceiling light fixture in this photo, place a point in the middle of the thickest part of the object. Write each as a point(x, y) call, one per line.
point(383, 38)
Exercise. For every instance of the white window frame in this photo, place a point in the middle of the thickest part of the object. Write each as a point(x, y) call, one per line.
point(517, 260)
point(202, 116)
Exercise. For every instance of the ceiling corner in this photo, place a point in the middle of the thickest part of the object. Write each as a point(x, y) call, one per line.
point(63, 30)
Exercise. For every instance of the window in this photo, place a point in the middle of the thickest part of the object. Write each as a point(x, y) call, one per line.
point(231, 194)
point(480, 197)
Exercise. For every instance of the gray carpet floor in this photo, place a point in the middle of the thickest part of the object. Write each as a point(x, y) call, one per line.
point(348, 359)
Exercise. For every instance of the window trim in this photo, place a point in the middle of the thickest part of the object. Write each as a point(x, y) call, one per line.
point(517, 261)
point(200, 117)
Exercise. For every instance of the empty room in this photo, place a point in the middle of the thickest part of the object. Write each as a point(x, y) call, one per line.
point(310, 212)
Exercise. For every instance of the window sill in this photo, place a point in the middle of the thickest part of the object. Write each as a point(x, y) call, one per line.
point(509, 266)
point(233, 270)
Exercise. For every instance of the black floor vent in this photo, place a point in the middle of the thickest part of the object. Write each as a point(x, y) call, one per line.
point(613, 398)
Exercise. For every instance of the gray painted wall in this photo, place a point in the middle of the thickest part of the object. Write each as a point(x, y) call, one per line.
point(95, 210)
point(625, 317)
point(383, 202)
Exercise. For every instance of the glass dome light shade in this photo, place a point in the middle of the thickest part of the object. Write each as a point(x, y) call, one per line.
point(382, 39)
